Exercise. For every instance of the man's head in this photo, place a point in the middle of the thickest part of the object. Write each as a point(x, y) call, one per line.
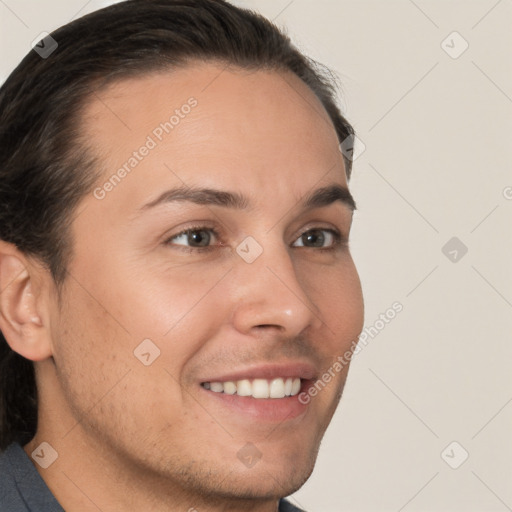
point(143, 298)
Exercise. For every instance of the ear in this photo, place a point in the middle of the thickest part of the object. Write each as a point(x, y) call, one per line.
point(21, 305)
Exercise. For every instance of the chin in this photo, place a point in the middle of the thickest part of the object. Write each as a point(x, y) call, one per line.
point(273, 479)
point(260, 487)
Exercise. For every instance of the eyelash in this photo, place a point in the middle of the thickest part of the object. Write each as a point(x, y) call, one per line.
point(339, 240)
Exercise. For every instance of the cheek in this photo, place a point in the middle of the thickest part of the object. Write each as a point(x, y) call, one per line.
point(153, 299)
point(336, 292)
point(350, 304)
point(109, 315)
point(89, 347)
point(105, 385)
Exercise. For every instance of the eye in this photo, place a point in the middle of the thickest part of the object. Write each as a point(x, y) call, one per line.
point(198, 238)
point(316, 238)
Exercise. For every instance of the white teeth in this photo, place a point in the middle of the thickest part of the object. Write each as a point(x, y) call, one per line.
point(217, 386)
point(244, 388)
point(258, 388)
point(229, 388)
point(288, 387)
point(295, 386)
point(277, 388)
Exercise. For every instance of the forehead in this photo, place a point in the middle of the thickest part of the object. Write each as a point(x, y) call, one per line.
point(214, 124)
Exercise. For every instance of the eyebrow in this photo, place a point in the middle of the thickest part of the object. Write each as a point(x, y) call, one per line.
point(320, 197)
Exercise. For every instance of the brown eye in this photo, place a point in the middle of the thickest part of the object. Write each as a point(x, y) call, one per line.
point(200, 237)
point(315, 237)
point(319, 237)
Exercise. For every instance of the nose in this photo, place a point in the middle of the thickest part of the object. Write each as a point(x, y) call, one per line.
point(268, 294)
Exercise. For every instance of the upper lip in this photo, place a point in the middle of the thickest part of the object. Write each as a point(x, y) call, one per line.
point(299, 369)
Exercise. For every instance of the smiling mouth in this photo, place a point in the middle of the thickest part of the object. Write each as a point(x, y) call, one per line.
point(280, 387)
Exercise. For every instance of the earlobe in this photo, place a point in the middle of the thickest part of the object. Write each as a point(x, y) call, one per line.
point(20, 321)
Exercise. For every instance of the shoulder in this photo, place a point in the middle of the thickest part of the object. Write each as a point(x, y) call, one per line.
point(10, 473)
point(286, 506)
point(21, 487)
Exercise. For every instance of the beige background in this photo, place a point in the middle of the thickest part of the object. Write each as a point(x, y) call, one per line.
point(436, 166)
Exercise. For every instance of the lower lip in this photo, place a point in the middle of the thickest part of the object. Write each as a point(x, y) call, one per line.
point(263, 409)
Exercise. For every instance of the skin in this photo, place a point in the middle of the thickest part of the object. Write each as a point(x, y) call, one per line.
point(136, 437)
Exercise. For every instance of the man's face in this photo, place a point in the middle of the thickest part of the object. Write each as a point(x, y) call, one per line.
point(281, 304)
